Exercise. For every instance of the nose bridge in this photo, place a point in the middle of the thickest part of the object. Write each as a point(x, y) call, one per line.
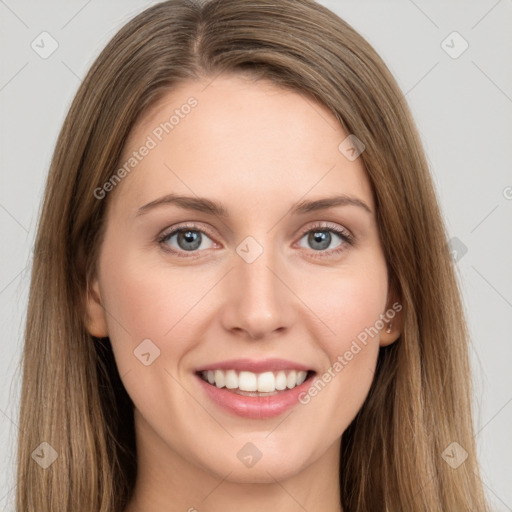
point(258, 302)
point(253, 269)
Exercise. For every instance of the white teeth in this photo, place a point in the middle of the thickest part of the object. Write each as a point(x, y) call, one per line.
point(280, 381)
point(301, 377)
point(266, 382)
point(291, 380)
point(219, 378)
point(231, 380)
point(247, 381)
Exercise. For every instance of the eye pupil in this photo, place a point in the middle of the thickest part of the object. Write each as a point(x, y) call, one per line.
point(189, 237)
point(321, 237)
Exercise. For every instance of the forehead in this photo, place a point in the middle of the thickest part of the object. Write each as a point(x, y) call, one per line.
point(227, 135)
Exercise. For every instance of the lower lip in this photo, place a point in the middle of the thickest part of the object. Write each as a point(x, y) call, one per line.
point(255, 407)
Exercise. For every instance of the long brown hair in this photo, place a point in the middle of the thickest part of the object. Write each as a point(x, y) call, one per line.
point(72, 396)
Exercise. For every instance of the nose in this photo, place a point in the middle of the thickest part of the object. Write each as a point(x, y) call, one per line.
point(258, 303)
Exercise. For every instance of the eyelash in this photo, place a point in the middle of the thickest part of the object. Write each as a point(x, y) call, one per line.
point(345, 236)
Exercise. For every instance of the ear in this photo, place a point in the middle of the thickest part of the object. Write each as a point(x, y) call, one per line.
point(95, 321)
point(393, 320)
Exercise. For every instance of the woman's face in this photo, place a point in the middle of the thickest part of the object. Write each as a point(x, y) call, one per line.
point(267, 283)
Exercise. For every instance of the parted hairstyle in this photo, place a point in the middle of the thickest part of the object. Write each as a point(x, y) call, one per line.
point(420, 399)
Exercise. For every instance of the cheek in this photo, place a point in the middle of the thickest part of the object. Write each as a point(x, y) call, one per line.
point(147, 302)
point(150, 321)
point(351, 306)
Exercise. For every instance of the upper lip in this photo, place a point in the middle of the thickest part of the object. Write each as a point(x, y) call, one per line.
point(251, 365)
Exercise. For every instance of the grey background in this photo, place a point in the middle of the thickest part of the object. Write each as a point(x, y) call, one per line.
point(463, 108)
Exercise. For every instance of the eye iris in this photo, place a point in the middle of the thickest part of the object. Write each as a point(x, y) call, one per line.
point(321, 237)
point(189, 237)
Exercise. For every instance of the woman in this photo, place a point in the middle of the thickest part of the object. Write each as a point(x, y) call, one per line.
point(241, 286)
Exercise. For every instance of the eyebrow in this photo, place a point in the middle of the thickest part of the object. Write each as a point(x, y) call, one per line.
point(202, 204)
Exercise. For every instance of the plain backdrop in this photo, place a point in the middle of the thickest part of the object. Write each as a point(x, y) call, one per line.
point(459, 87)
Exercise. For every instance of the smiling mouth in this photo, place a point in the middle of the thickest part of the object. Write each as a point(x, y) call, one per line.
point(256, 384)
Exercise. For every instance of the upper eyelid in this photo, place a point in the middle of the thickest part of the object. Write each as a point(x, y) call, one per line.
point(325, 226)
point(193, 227)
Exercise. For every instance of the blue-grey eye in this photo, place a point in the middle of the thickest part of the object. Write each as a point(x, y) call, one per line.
point(321, 239)
point(187, 239)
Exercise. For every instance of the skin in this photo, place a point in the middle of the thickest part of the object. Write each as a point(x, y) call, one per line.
point(258, 150)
